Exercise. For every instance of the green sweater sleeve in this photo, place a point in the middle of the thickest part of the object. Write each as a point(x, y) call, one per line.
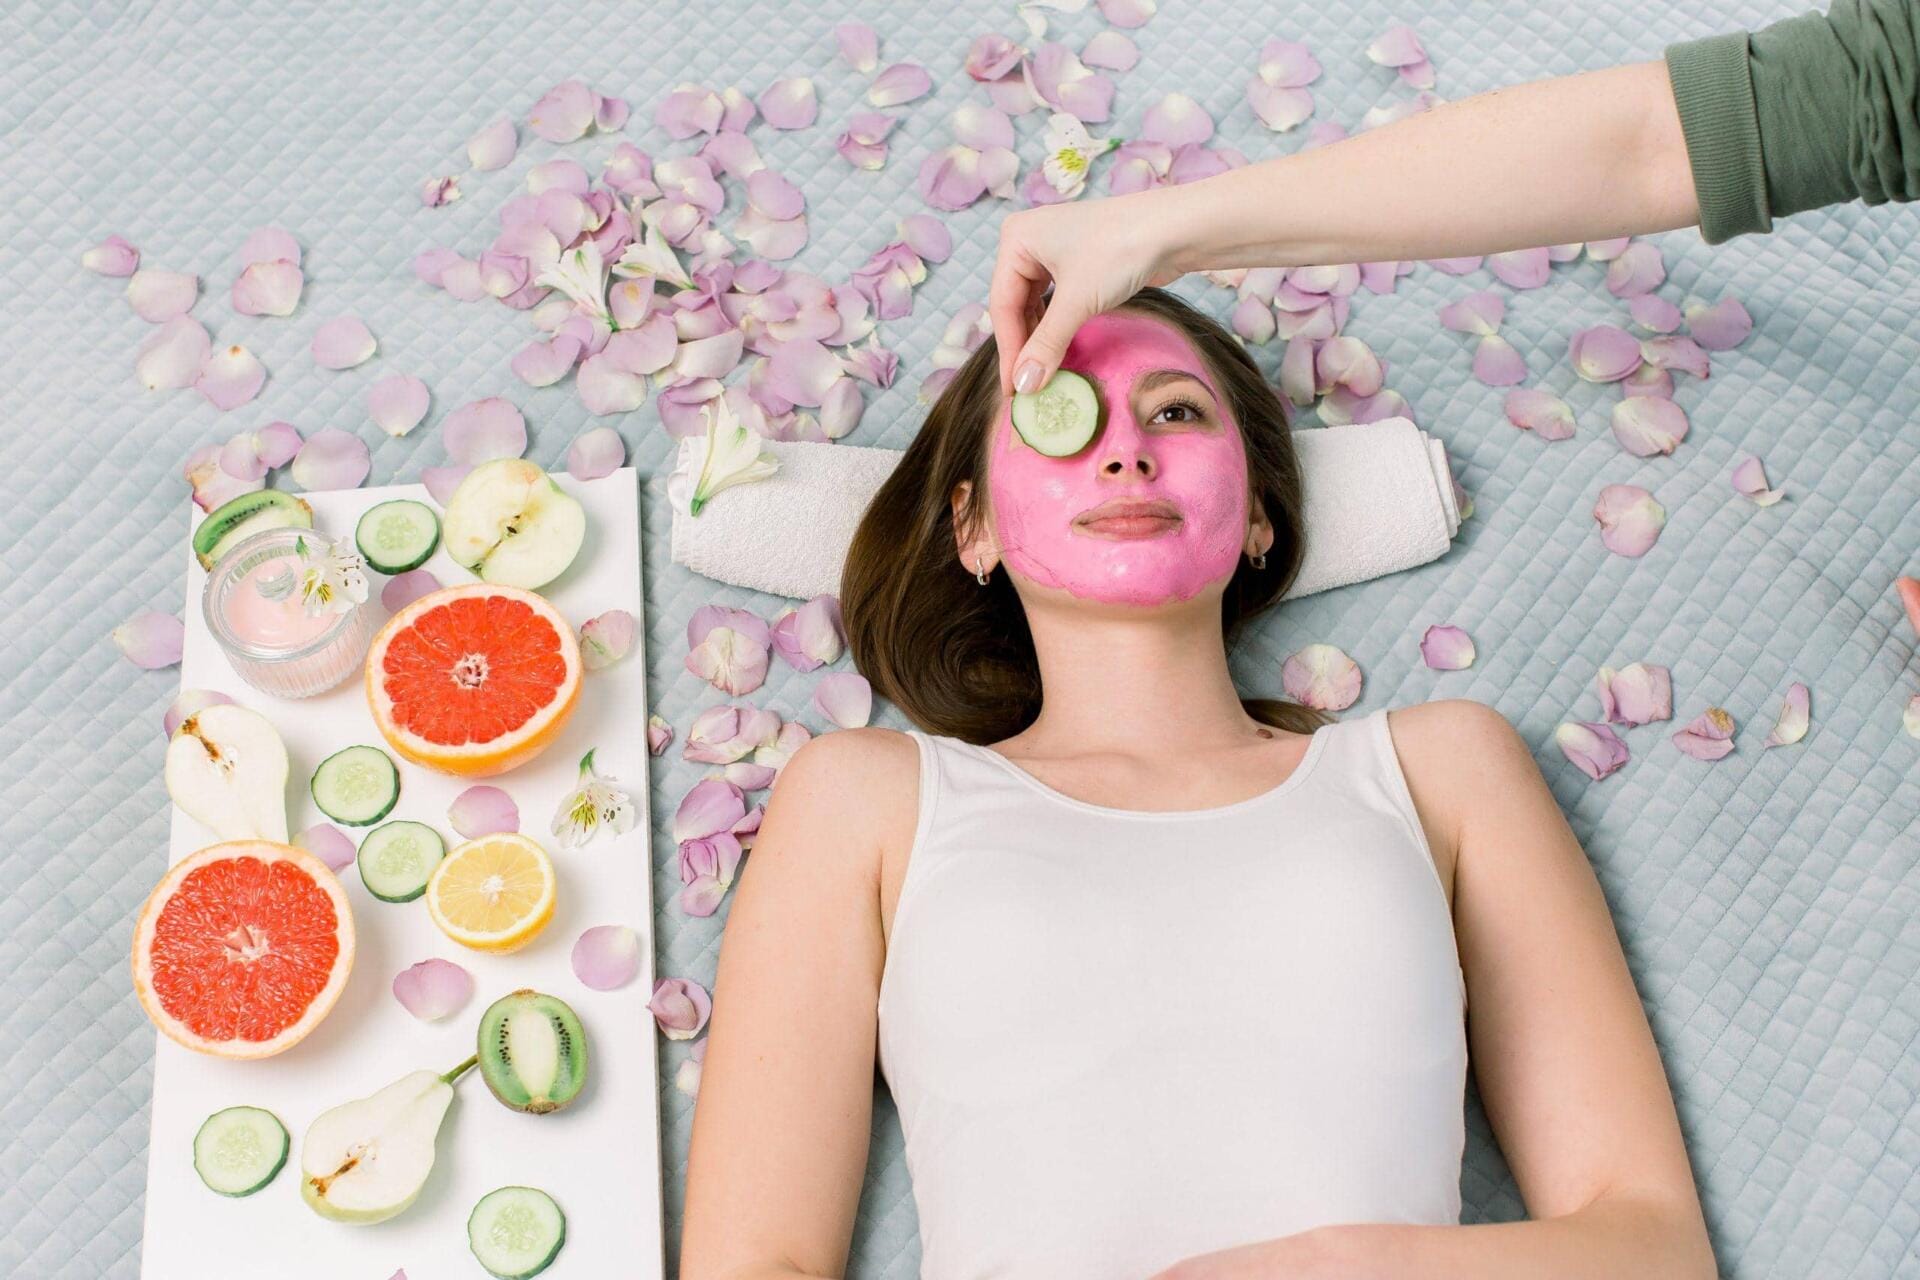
point(1810, 111)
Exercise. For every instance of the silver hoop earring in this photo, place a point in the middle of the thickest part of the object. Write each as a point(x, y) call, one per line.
point(979, 574)
point(1258, 561)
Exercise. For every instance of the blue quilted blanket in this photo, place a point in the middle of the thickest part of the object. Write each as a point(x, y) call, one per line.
point(1769, 902)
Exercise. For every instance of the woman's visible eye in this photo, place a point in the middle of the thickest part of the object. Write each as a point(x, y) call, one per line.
point(1194, 413)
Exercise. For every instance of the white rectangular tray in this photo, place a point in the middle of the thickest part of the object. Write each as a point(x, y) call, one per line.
point(599, 1158)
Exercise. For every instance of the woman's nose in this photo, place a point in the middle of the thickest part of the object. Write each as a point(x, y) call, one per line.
point(1124, 447)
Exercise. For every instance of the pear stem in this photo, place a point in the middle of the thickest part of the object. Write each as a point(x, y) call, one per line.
point(460, 1070)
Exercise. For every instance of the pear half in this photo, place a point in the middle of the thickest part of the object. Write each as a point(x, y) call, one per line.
point(511, 524)
point(366, 1160)
point(227, 769)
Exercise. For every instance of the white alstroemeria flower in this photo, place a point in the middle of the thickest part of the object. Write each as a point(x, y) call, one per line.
point(597, 803)
point(727, 452)
point(581, 274)
point(332, 579)
point(1070, 153)
point(651, 255)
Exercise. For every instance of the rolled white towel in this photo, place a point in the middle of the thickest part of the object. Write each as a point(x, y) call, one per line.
point(1378, 497)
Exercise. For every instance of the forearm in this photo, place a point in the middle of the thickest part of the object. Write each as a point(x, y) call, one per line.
point(1582, 157)
point(1614, 1236)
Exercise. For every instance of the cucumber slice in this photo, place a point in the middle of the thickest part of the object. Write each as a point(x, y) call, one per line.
point(398, 535)
point(396, 860)
point(358, 786)
point(516, 1231)
point(1059, 418)
point(237, 1151)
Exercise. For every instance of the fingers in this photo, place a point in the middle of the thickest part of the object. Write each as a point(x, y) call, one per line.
point(1045, 347)
point(1013, 303)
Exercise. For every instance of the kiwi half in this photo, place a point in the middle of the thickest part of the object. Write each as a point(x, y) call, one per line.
point(244, 516)
point(533, 1051)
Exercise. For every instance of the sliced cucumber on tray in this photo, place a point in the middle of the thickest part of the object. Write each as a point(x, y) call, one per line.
point(516, 1231)
point(357, 786)
point(397, 859)
point(238, 1150)
point(397, 535)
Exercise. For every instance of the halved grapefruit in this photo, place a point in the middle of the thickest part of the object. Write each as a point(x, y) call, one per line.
point(242, 948)
point(474, 679)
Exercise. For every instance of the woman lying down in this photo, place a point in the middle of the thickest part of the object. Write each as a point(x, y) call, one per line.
point(1207, 1020)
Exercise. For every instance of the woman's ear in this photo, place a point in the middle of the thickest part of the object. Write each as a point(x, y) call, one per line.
point(975, 552)
point(1260, 535)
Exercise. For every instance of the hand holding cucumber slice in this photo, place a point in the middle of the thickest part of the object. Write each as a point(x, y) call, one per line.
point(1059, 418)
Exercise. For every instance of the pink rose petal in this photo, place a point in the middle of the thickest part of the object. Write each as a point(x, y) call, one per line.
point(432, 989)
point(397, 403)
point(1446, 648)
point(1604, 353)
point(607, 956)
point(1648, 425)
point(151, 639)
point(1541, 412)
point(541, 364)
point(189, 702)
point(331, 459)
point(1176, 120)
point(1455, 266)
point(606, 387)
point(1750, 481)
point(1128, 13)
point(859, 45)
point(329, 844)
point(483, 431)
point(1595, 748)
point(268, 289)
point(1478, 313)
point(1629, 518)
point(1720, 327)
point(404, 588)
point(1638, 270)
point(1278, 107)
point(269, 244)
point(845, 698)
point(1108, 50)
point(1792, 724)
point(565, 113)
point(1638, 693)
point(494, 146)
point(1321, 676)
point(790, 103)
point(1648, 380)
point(1608, 250)
point(342, 343)
point(1675, 352)
point(173, 355)
point(441, 190)
point(1654, 313)
point(483, 811)
point(157, 296)
point(595, 453)
point(212, 483)
point(1521, 268)
point(899, 84)
point(1497, 363)
point(442, 481)
point(231, 377)
point(1398, 46)
point(689, 109)
point(1708, 737)
point(112, 257)
point(680, 1007)
point(605, 639)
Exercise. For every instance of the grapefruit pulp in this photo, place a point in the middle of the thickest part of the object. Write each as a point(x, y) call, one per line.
point(475, 679)
point(242, 948)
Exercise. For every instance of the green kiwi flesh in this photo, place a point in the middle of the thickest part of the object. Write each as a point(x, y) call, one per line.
point(533, 1051)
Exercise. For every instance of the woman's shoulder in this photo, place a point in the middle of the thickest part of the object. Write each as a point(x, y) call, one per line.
point(874, 774)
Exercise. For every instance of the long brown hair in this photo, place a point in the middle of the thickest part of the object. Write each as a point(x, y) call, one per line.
point(957, 657)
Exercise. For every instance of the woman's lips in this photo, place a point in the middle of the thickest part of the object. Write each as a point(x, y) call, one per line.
point(1135, 526)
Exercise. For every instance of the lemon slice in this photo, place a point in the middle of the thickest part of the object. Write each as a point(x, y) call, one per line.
point(493, 894)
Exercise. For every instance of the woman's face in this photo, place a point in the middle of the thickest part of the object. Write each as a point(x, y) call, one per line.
point(1165, 433)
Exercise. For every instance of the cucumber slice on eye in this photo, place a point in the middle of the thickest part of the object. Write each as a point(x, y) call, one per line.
point(396, 536)
point(237, 1151)
point(1059, 418)
point(357, 786)
point(397, 859)
point(515, 1232)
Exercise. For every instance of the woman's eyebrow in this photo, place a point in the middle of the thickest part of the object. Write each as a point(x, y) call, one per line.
point(1158, 378)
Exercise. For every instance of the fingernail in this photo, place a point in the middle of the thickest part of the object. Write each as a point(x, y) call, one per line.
point(1026, 377)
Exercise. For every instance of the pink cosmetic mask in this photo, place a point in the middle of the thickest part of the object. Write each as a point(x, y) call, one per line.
point(1195, 461)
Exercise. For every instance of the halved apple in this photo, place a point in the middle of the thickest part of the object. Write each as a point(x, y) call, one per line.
point(510, 523)
point(227, 769)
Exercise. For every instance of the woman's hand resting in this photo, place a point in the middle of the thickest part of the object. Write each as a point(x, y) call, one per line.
point(1096, 253)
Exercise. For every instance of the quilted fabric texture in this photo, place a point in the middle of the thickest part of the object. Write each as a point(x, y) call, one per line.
point(1769, 903)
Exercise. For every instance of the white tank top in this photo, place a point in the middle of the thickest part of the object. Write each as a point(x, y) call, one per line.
point(1118, 1039)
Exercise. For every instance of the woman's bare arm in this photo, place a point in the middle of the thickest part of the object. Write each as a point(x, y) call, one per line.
point(1579, 157)
point(781, 1126)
